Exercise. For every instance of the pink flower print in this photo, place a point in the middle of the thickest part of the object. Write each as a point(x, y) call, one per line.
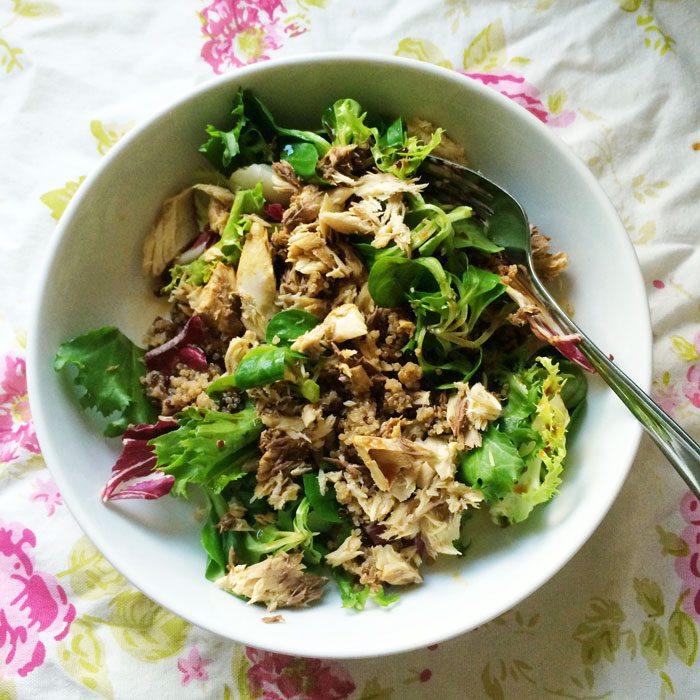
point(33, 606)
point(667, 397)
point(47, 492)
point(526, 95)
point(192, 666)
point(280, 677)
point(240, 32)
point(16, 427)
point(691, 389)
point(688, 568)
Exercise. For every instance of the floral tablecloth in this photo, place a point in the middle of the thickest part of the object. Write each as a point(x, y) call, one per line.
point(617, 80)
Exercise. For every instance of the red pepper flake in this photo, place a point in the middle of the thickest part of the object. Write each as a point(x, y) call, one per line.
point(658, 284)
point(220, 444)
point(425, 675)
point(612, 357)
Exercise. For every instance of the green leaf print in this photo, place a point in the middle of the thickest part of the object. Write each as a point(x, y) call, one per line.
point(144, 629)
point(9, 57)
point(33, 10)
point(666, 685)
point(239, 671)
point(57, 200)
point(649, 596)
point(91, 575)
point(492, 686)
point(374, 691)
point(488, 49)
point(599, 635)
point(422, 50)
point(683, 636)
point(671, 543)
point(685, 349)
point(82, 655)
point(7, 689)
point(654, 645)
point(106, 135)
point(630, 5)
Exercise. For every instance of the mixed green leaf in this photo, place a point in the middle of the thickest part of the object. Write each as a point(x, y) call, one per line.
point(107, 368)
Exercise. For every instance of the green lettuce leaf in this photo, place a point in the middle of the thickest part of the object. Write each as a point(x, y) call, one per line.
point(238, 224)
point(109, 368)
point(543, 456)
point(209, 448)
point(242, 144)
point(355, 596)
point(494, 467)
point(396, 152)
point(344, 122)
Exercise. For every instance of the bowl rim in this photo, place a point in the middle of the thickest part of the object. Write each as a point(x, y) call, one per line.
point(51, 452)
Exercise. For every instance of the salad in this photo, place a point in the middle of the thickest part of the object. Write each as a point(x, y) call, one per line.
point(349, 367)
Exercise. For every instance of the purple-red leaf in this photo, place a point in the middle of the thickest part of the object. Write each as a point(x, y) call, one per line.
point(134, 474)
point(205, 239)
point(184, 347)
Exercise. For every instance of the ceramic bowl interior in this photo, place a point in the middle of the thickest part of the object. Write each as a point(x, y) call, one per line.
point(93, 277)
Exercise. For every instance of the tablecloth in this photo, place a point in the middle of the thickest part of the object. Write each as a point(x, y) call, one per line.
point(617, 81)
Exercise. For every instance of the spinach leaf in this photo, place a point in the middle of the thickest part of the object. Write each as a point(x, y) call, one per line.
point(273, 538)
point(261, 115)
point(469, 235)
point(370, 254)
point(242, 144)
point(215, 543)
point(477, 290)
point(303, 157)
point(209, 448)
point(392, 279)
point(324, 506)
point(494, 467)
point(261, 365)
point(109, 370)
point(288, 325)
point(344, 123)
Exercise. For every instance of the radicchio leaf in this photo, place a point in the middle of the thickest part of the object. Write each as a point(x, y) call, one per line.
point(134, 474)
point(184, 347)
point(205, 239)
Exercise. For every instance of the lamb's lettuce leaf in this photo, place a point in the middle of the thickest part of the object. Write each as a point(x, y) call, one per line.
point(108, 370)
point(263, 365)
point(286, 326)
point(303, 157)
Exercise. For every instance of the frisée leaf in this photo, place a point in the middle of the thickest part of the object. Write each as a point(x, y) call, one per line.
point(209, 448)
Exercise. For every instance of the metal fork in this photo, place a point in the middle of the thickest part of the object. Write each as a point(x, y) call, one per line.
point(506, 224)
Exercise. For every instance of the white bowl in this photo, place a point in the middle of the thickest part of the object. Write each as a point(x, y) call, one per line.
point(93, 277)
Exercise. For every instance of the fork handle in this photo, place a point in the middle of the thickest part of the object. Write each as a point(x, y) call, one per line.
point(678, 447)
